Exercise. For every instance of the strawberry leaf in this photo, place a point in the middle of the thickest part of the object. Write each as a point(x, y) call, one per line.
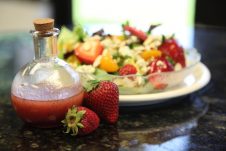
point(79, 115)
point(126, 23)
point(102, 75)
point(80, 125)
point(90, 85)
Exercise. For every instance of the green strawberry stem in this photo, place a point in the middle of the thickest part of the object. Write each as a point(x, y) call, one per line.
point(72, 120)
point(172, 36)
point(163, 38)
point(125, 24)
point(168, 58)
point(151, 28)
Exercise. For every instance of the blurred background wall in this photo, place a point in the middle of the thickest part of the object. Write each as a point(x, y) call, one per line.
point(16, 15)
point(16, 18)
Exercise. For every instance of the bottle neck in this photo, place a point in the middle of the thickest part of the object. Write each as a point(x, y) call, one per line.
point(45, 43)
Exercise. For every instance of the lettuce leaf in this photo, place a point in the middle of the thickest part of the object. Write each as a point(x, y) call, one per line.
point(67, 39)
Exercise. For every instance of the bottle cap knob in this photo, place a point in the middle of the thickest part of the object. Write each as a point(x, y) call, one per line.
point(43, 24)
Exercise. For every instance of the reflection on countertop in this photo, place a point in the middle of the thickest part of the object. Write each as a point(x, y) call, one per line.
point(140, 128)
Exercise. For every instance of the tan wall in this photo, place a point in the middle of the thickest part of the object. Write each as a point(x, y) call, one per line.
point(16, 15)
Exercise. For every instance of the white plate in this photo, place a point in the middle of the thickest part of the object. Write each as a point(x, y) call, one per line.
point(197, 80)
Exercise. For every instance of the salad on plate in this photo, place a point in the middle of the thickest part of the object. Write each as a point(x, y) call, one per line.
point(137, 61)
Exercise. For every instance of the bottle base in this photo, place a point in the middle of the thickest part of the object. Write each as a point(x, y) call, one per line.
point(44, 114)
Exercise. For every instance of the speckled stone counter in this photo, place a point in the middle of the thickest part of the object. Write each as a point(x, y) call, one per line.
point(196, 122)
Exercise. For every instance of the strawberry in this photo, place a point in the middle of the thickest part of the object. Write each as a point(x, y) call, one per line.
point(81, 120)
point(138, 33)
point(127, 70)
point(170, 48)
point(157, 82)
point(160, 65)
point(103, 98)
point(88, 51)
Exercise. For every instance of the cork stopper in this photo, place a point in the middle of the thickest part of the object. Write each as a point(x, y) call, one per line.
point(43, 24)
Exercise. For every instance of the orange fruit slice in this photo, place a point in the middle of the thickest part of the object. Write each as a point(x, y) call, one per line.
point(108, 64)
point(147, 54)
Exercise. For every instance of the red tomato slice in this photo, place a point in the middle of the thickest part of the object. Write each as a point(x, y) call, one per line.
point(88, 51)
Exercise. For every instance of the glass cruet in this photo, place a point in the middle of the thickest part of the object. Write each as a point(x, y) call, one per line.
point(44, 89)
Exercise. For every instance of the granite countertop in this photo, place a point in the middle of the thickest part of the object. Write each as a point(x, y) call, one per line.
point(195, 122)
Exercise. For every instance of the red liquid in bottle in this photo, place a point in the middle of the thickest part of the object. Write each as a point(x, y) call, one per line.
point(47, 113)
